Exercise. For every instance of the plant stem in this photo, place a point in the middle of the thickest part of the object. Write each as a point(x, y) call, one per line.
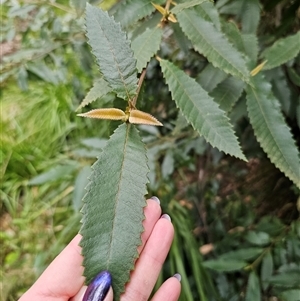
point(140, 83)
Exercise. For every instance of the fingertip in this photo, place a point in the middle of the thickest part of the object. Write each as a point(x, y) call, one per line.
point(153, 210)
point(167, 217)
point(156, 199)
point(153, 202)
point(170, 290)
point(177, 276)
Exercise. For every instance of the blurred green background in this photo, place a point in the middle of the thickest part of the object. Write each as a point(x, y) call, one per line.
point(226, 212)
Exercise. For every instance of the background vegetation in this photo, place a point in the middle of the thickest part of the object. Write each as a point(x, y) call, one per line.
point(237, 224)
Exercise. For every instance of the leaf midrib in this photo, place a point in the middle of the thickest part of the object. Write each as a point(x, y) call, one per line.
point(115, 59)
point(117, 202)
point(207, 120)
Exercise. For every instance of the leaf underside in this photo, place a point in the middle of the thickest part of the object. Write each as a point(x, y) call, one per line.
point(146, 45)
point(270, 128)
point(112, 51)
point(210, 42)
point(113, 208)
point(201, 110)
point(253, 288)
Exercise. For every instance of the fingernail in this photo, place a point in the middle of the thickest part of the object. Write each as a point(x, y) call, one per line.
point(156, 199)
point(177, 276)
point(166, 216)
point(98, 288)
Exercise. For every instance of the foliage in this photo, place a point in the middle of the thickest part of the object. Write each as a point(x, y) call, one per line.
point(115, 196)
point(212, 48)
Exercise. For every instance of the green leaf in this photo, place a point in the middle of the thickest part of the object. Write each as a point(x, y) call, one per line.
point(281, 51)
point(253, 292)
point(289, 279)
point(212, 43)
point(80, 183)
point(258, 238)
point(22, 78)
point(230, 8)
point(167, 166)
point(294, 76)
point(230, 28)
point(290, 295)
point(133, 10)
point(222, 265)
point(179, 7)
point(245, 43)
point(53, 174)
point(183, 42)
point(242, 254)
point(200, 110)
point(113, 208)
point(250, 14)
point(41, 70)
point(277, 77)
point(250, 44)
point(146, 45)
point(112, 51)
point(99, 89)
point(97, 143)
point(210, 77)
point(270, 128)
point(208, 12)
point(266, 269)
point(227, 93)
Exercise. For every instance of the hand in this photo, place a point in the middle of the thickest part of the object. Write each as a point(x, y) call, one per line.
point(63, 280)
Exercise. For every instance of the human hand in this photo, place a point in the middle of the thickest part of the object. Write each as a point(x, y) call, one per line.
point(63, 280)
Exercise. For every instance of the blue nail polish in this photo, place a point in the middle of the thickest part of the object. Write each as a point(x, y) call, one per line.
point(156, 199)
point(98, 288)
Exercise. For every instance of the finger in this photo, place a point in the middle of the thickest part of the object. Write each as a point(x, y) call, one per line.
point(152, 214)
point(169, 291)
point(62, 279)
point(150, 262)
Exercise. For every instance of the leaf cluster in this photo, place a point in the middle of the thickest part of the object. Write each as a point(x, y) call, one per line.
point(198, 83)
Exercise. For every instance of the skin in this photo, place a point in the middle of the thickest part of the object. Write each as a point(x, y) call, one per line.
point(63, 280)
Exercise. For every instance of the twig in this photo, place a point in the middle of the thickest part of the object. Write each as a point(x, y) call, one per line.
point(140, 83)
